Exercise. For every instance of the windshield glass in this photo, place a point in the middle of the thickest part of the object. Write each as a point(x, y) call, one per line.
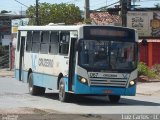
point(107, 55)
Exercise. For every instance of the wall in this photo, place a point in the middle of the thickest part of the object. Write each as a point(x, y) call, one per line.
point(150, 54)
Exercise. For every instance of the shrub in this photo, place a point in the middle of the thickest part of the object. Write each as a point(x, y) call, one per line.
point(156, 68)
point(143, 69)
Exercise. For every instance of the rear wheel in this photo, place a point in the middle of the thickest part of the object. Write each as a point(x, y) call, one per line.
point(63, 96)
point(114, 98)
point(34, 90)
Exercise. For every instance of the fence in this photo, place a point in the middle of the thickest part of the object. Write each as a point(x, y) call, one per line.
point(7, 57)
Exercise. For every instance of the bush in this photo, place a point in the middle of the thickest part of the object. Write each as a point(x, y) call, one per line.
point(156, 69)
point(143, 69)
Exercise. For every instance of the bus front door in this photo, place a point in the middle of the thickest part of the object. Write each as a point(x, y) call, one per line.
point(72, 62)
point(21, 58)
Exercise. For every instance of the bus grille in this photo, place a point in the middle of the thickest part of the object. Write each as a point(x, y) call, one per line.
point(108, 82)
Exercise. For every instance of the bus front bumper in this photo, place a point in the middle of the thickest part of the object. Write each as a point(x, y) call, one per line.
point(99, 90)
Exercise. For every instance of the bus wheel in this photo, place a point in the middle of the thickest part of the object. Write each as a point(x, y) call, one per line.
point(34, 90)
point(63, 96)
point(114, 98)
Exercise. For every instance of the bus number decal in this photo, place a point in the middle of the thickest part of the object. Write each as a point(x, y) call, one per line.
point(45, 62)
point(93, 75)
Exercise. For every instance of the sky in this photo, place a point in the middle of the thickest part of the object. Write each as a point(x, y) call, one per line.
point(12, 5)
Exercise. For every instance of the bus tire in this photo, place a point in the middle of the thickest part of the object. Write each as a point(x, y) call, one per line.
point(34, 90)
point(114, 98)
point(63, 96)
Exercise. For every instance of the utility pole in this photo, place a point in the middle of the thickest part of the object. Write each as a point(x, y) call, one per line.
point(37, 17)
point(125, 5)
point(86, 10)
point(129, 4)
point(124, 12)
point(21, 17)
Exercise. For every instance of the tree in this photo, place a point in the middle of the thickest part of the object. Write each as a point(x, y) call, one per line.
point(4, 11)
point(55, 13)
point(157, 5)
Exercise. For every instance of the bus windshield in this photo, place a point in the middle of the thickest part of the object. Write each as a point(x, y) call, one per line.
point(107, 55)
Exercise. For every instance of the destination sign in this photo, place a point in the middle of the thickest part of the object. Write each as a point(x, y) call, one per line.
point(110, 33)
point(106, 32)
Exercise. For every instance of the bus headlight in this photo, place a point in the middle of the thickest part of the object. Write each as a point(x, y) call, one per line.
point(132, 82)
point(82, 80)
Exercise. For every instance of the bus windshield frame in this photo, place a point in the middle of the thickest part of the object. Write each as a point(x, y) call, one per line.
point(104, 55)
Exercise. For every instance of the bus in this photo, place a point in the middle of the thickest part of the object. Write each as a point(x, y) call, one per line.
point(78, 59)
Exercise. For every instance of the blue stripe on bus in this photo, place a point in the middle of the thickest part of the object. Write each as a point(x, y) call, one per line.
point(40, 79)
point(131, 91)
point(43, 80)
point(66, 83)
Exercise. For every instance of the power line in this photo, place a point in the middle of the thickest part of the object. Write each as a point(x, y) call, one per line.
point(97, 4)
point(21, 3)
point(107, 5)
point(73, 1)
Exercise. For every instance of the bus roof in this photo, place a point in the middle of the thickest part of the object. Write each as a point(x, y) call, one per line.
point(60, 27)
point(57, 27)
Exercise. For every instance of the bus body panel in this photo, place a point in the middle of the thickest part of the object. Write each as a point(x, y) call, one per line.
point(41, 79)
point(44, 80)
point(44, 69)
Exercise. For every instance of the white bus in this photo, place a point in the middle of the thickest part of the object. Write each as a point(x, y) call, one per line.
point(80, 59)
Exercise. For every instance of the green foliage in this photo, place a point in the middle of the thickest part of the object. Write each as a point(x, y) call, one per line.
point(157, 5)
point(143, 69)
point(87, 21)
point(4, 11)
point(156, 69)
point(55, 13)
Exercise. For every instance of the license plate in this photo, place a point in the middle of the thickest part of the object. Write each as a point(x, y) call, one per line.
point(108, 91)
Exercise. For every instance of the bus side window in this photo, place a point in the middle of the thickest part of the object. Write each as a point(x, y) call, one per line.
point(64, 42)
point(54, 46)
point(29, 41)
point(44, 47)
point(36, 41)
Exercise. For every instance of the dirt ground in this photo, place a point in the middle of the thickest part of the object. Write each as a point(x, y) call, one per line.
point(39, 114)
point(60, 117)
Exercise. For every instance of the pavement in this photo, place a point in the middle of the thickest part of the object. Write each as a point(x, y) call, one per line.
point(6, 72)
point(148, 88)
point(151, 88)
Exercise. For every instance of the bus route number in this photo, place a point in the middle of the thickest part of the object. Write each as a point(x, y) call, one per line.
point(93, 75)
